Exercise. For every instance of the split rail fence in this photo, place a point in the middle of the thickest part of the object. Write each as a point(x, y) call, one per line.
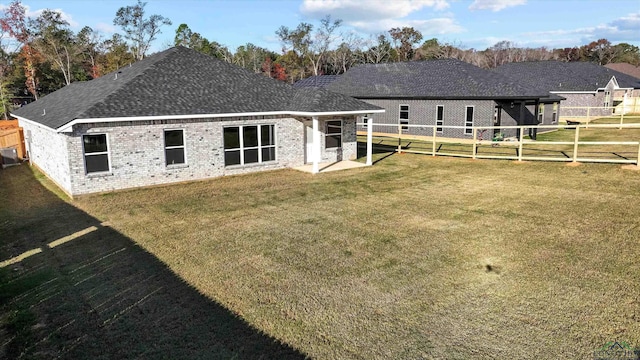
point(520, 147)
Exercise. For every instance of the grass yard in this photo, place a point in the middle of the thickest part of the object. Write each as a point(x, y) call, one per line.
point(414, 258)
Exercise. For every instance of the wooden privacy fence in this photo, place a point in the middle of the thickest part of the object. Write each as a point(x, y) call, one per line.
point(519, 148)
point(12, 136)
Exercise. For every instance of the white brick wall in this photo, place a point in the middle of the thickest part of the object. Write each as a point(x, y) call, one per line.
point(48, 150)
point(136, 151)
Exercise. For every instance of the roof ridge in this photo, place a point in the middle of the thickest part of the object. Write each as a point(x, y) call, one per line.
point(149, 64)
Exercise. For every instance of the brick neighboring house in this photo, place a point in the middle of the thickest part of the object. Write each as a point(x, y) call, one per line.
point(582, 84)
point(180, 115)
point(444, 92)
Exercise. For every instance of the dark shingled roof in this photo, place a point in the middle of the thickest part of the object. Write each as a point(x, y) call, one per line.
point(565, 76)
point(180, 81)
point(431, 79)
point(316, 81)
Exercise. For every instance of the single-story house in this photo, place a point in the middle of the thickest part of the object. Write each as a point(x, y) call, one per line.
point(181, 115)
point(582, 84)
point(443, 92)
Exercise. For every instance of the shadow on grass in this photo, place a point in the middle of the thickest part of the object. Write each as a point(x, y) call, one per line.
point(99, 295)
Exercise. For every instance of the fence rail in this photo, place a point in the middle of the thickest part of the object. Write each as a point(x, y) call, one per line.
point(432, 145)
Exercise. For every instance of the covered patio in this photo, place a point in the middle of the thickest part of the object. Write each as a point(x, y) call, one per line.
point(316, 164)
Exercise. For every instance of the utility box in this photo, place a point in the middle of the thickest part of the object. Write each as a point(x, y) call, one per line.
point(9, 157)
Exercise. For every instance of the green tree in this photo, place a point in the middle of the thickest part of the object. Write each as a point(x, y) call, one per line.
point(404, 39)
point(140, 31)
point(626, 53)
point(55, 41)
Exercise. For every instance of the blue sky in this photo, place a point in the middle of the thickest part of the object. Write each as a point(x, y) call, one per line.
point(464, 23)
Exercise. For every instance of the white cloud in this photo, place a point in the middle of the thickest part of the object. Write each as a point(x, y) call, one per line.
point(495, 5)
point(358, 10)
point(105, 28)
point(381, 15)
point(437, 26)
point(624, 29)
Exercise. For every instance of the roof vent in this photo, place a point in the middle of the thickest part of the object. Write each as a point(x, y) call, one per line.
point(44, 112)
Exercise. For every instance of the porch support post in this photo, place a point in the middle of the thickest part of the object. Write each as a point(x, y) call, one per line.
point(316, 145)
point(369, 140)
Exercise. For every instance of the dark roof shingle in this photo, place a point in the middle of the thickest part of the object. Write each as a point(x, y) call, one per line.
point(178, 81)
point(561, 76)
point(436, 79)
point(316, 81)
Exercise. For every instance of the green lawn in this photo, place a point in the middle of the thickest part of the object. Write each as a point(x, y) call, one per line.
point(415, 257)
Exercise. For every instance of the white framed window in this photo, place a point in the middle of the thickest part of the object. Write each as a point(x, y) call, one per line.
point(96, 153)
point(174, 149)
point(607, 99)
point(404, 116)
point(554, 115)
point(439, 118)
point(540, 113)
point(468, 120)
point(365, 120)
point(249, 144)
point(333, 135)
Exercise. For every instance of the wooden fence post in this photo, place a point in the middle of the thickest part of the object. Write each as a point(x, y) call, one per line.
point(638, 159)
point(621, 118)
point(475, 141)
point(399, 137)
point(588, 117)
point(433, 141)
point(575, 143)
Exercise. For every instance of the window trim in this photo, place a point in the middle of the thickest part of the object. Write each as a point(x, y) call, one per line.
point(402, 121)
point(468, 129)
point(85, 154)
point(440, 129)
point(541, 113)
point(183, 147)
point(242, 149)
point(607, 98)
point(365, 120)
point(326, 133)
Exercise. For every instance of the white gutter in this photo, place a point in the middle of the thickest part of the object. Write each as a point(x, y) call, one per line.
point(573, 92)
point(69, 126)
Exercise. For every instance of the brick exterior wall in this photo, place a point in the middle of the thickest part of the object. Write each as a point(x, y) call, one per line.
point(47, 150)
point(137, 154)
point(423, 112)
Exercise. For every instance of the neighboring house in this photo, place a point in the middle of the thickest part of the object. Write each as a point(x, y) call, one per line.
point(625, 68)
point(445, 92)
point(582, 84)
point(180, 115)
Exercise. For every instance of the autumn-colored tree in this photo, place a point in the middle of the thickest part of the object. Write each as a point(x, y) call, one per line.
point(14, 22)
point(278, 72)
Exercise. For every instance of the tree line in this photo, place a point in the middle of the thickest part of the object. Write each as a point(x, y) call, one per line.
point(41, 54)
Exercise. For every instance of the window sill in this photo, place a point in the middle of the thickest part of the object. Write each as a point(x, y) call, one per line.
point(176, 166)
point(99, 174)
point(252, 165)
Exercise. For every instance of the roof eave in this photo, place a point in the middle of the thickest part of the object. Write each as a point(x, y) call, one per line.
point(68, 127)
